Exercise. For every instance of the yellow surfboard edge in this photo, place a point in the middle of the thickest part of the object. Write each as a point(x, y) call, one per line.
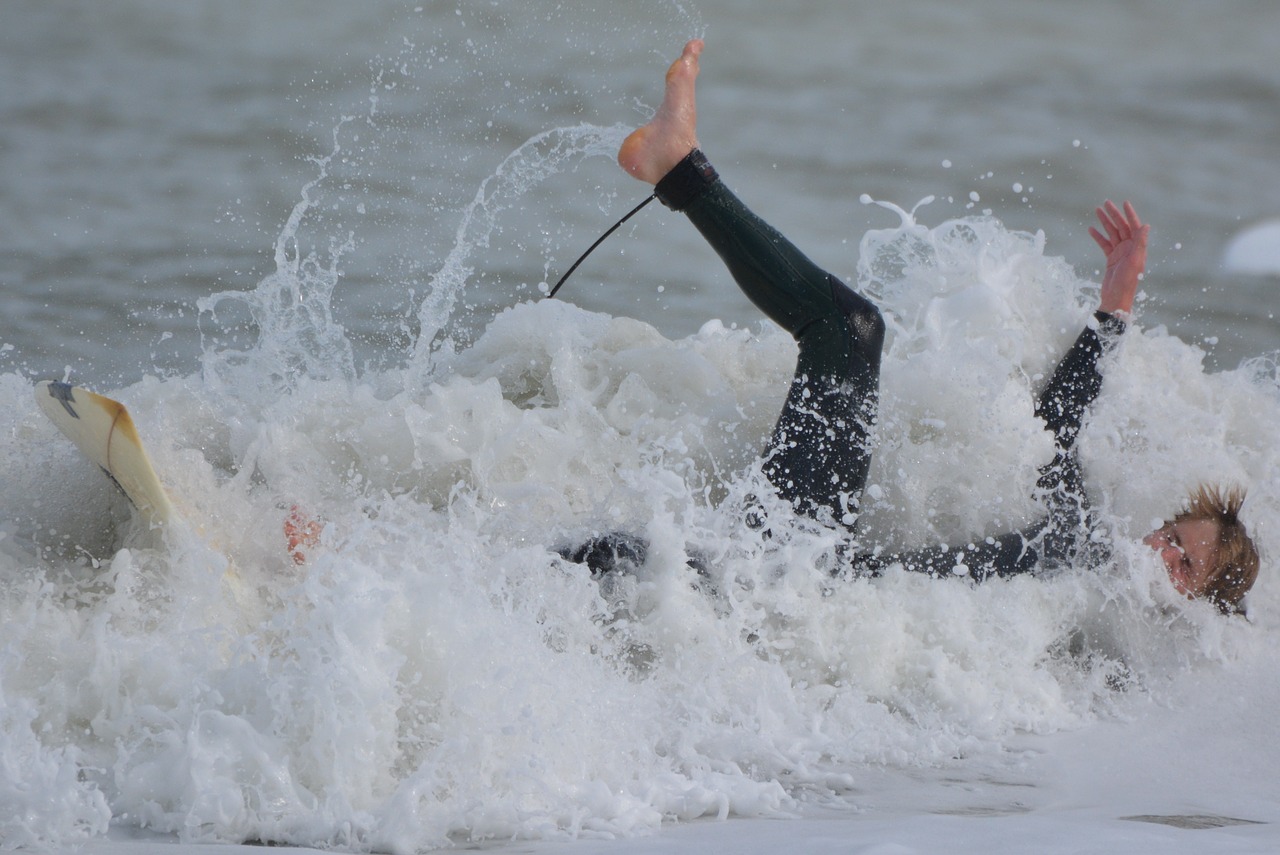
point(103, 430)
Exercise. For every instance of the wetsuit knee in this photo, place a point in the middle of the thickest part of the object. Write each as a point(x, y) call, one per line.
point(866, 324)
point(614, 552)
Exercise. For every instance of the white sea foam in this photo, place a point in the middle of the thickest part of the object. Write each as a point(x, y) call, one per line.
point(437, 672)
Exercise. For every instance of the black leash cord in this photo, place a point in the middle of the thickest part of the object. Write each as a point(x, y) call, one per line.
point(599, 241)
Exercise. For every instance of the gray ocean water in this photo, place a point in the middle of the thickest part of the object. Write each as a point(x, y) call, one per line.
point(153, 153)
point(435, 674)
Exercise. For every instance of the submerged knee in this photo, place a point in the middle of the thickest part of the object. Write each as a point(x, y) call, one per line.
point(614, 552)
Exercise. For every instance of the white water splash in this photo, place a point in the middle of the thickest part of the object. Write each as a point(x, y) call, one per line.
point(437, 673)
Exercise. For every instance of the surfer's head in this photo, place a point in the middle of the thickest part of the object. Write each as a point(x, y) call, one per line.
point(1206, 549)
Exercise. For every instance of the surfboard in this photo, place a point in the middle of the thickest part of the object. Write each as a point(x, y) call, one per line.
point(104, 432)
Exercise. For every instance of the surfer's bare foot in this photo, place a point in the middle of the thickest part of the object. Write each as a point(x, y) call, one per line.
point(652, 149)
point(301, 533)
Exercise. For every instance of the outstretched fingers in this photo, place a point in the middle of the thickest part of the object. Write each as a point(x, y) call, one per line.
point(1104, 242)
point(1121, 225)
point(1131, 217)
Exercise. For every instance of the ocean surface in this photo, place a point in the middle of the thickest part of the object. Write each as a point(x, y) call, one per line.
point(307, 242)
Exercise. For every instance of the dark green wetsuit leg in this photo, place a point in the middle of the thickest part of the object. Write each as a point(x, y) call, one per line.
point(820, 451)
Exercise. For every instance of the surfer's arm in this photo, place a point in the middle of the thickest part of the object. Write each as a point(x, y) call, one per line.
point(1005, 555)
point(1076, 381)
point(1062, 404)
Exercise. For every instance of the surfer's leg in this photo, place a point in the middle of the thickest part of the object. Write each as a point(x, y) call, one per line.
point(619, 553)
point(615, 552)
point(820, 451)
point(776, 276)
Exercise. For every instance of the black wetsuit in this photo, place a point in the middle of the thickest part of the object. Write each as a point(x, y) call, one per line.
point(820, 453)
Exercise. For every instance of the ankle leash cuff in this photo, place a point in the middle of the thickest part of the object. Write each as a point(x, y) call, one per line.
point(686, 181)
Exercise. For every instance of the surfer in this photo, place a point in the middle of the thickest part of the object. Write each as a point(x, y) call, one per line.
point(820, 450)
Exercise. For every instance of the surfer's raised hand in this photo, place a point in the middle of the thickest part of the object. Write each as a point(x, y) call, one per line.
point(653, 149)
point(1125, 247)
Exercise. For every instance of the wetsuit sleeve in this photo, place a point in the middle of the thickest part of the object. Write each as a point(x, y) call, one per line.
point(1059, 536)
point(1063, 403)
point(1076, 382)
point(1005, 555)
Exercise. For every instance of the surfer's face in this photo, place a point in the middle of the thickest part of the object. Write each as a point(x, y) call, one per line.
point(1187, 549)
